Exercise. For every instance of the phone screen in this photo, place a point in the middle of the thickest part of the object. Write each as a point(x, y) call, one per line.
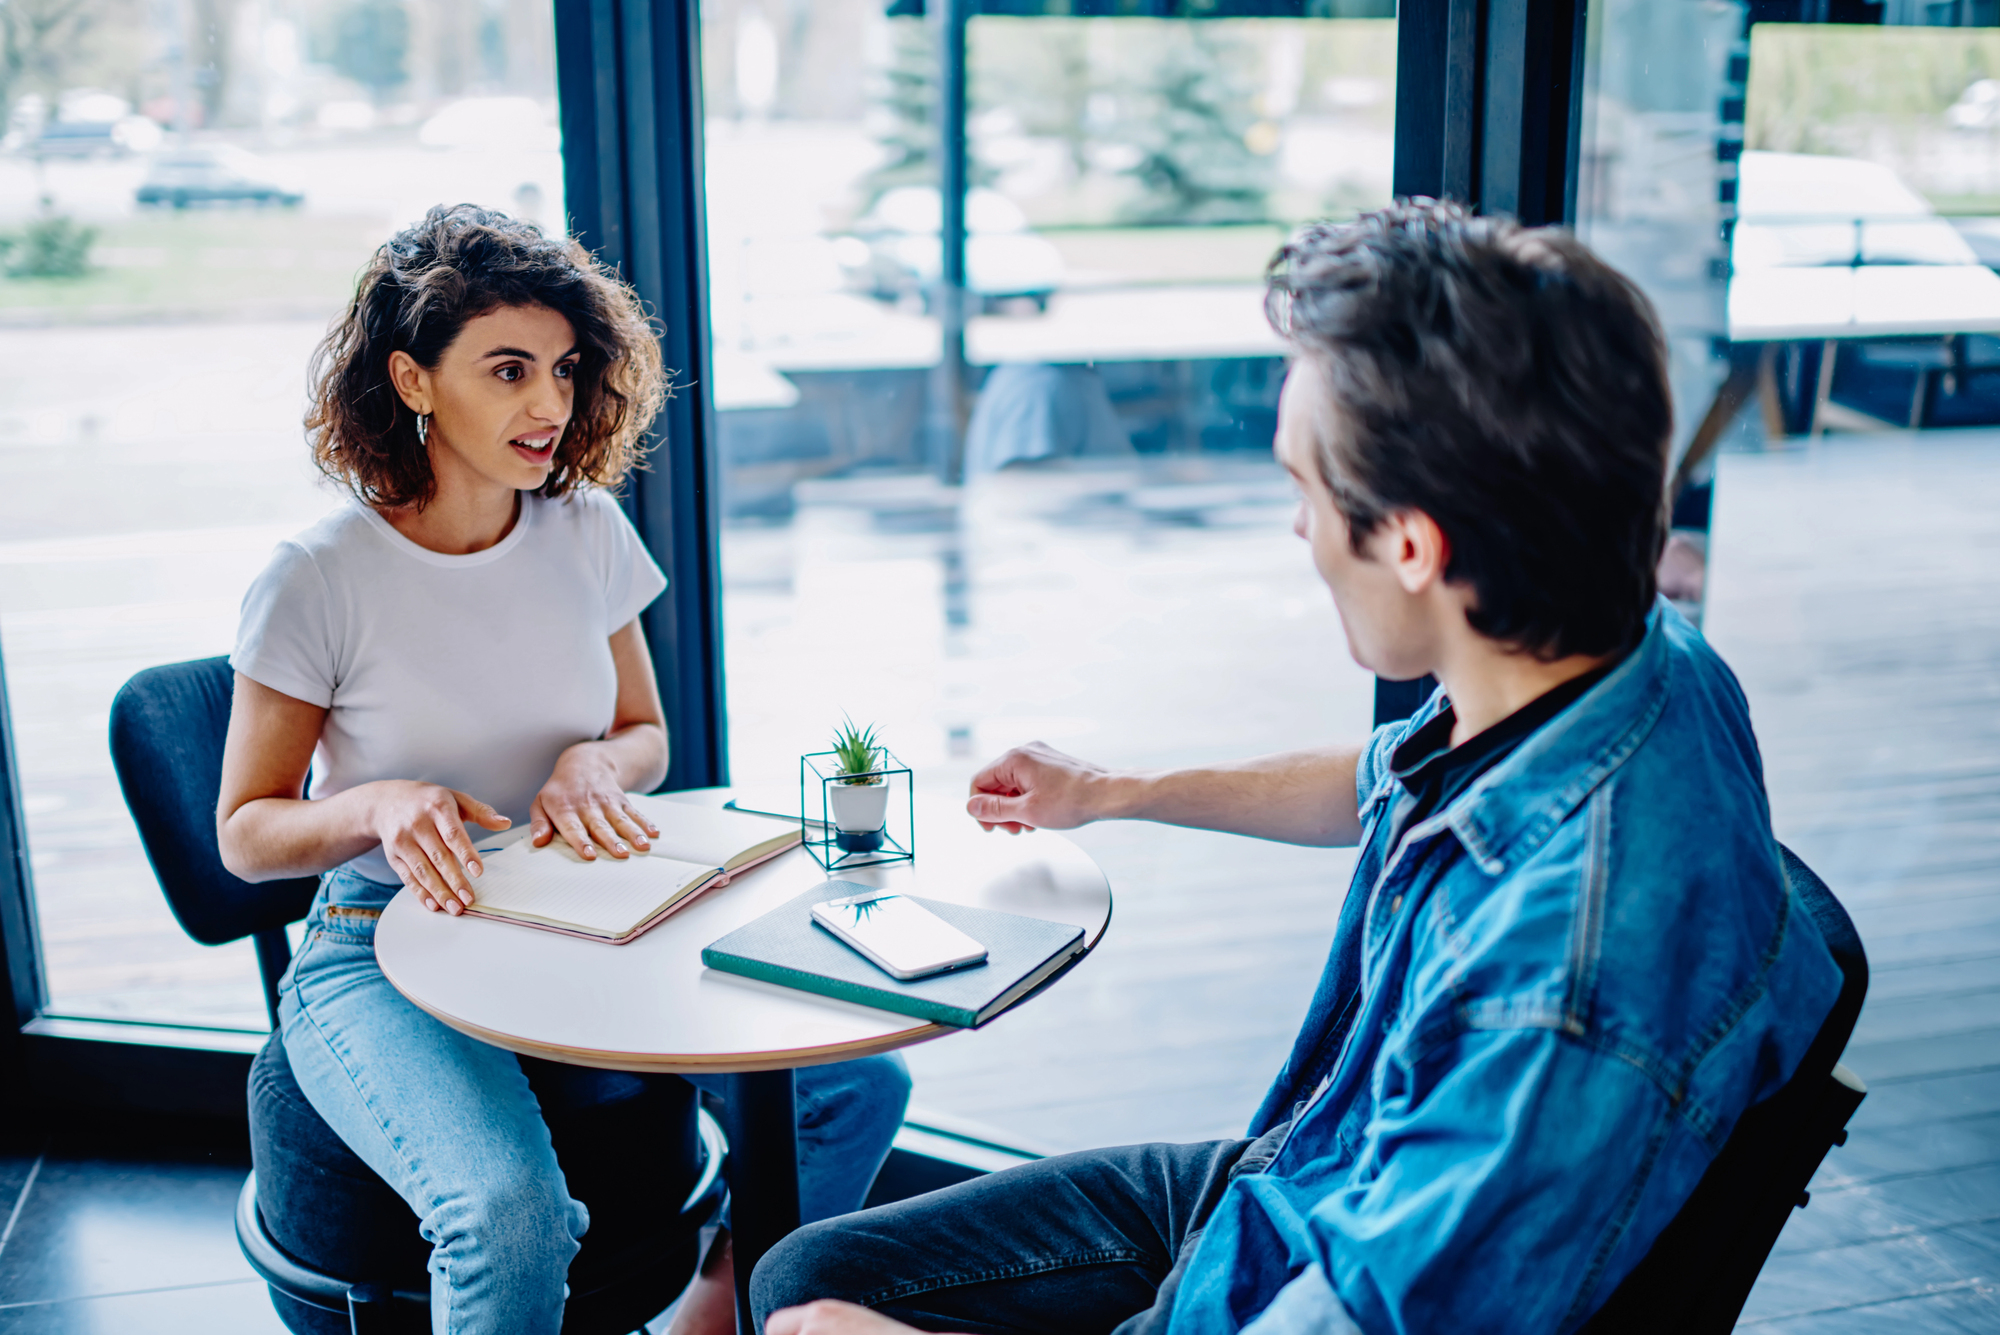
point(898, 934)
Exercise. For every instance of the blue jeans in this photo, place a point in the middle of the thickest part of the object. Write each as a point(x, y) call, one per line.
point(451, 1124)
point(1084, 1243)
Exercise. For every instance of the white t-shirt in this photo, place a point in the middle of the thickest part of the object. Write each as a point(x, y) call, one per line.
point(473, 672)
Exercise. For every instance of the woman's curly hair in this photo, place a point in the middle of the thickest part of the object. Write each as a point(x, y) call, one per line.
point(415, 296)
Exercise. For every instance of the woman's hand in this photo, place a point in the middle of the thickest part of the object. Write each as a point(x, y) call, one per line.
point(422, 829)
point(585, 803)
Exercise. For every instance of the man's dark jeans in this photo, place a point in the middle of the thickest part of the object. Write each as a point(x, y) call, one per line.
point(1080, 1243)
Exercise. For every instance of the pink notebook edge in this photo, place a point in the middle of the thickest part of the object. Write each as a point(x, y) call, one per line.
point(712, 883)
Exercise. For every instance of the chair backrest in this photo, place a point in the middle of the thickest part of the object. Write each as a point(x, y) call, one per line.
point(167, 729)
point(1699, 1272)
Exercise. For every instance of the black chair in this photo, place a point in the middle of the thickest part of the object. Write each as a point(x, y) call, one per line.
point(339, 1249)
point(1699, 1272)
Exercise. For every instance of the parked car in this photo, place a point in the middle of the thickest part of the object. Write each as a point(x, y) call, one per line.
point(212, 174)
point(894, 251)
point(89, 124)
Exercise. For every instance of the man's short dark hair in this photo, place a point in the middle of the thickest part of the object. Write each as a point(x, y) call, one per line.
point(1509, 384)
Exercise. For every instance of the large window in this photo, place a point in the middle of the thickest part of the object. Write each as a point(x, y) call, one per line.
point(186, 195)
point(1116, 575)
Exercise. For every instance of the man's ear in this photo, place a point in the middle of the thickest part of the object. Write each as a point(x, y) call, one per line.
point(1412, 545)
point(412, 382)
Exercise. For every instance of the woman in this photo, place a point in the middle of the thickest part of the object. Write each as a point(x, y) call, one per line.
point(459, 644)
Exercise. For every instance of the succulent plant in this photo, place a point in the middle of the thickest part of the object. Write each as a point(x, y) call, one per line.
point(855, 750)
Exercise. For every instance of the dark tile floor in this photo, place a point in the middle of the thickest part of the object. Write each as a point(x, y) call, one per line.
point(138, 1241)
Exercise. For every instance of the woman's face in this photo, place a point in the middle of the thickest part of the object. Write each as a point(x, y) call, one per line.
point(499, 397)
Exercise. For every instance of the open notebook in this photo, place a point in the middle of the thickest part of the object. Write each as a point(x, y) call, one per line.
point(698, 849)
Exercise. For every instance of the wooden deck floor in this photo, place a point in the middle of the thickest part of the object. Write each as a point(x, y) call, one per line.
point(1855, 588)
point(1856, 591)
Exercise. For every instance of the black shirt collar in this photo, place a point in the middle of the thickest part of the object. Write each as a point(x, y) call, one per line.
point(1434, 771)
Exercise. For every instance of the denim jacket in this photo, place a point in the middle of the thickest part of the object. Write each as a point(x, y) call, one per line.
point(1544, 1011)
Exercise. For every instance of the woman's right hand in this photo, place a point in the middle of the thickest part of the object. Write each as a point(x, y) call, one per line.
point(422, 829)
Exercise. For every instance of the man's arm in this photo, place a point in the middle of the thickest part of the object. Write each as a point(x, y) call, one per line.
point(1296, 797)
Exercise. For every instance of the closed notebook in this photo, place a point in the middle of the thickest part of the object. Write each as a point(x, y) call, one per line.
point(787, 947)
point(616, 899)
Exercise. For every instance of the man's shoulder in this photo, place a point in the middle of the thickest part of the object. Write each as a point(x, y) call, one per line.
point(1649, 901)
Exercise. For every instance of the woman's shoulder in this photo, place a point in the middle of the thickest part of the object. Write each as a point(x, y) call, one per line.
point(340, 530)
point(331, 551)
point(590, 515)
point(585, 505)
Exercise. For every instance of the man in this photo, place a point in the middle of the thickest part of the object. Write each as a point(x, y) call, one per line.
point(1567, 962)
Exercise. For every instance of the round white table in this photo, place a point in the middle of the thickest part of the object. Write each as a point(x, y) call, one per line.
point(651, 1005)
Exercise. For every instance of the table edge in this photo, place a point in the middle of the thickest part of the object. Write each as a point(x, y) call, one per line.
point(724, 1063)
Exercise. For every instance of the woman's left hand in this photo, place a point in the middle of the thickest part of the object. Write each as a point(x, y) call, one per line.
point(584, 803)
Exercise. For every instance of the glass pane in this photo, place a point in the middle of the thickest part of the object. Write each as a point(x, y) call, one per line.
point(1875, 151)
point(1116, 576)
point(1662, 120)
point(185, 197)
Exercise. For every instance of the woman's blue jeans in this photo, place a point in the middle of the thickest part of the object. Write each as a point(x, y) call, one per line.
point(451, 1124)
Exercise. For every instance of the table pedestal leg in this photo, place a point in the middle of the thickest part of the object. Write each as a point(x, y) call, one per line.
point(763, 1169)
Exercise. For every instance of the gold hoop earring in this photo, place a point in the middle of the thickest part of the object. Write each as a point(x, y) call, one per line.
point(423, 428)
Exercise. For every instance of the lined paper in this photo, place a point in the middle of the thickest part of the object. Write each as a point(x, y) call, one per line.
point(607, 897)
point(612, 897)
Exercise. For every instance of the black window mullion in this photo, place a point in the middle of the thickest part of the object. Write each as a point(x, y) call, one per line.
point(1488, 113)
point(22, 957)
point(629, 78)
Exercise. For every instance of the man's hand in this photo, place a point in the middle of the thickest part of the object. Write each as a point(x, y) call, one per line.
point(1038, 787)
point(827, 1317)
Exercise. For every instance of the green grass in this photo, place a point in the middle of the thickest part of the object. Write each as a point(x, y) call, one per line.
point(204, 264)
point(1967, 206)
point(251, 263)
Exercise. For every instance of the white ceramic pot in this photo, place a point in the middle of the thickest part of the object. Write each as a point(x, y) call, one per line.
point(859, 808)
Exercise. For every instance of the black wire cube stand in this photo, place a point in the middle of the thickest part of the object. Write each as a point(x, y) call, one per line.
point(836, 849)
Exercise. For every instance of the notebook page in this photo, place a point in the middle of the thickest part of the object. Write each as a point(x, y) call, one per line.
point(712, 836)
point(605, 897)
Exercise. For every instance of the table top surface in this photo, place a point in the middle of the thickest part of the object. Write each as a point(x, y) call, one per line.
point(1872, 301)
point(651, 1005)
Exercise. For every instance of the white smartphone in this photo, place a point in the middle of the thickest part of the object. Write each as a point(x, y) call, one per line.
point(898, 935)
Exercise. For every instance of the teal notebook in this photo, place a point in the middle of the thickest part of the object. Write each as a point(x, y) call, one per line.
point(787, 947)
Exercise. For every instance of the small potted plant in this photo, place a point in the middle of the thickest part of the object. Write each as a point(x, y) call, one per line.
point(860, 797)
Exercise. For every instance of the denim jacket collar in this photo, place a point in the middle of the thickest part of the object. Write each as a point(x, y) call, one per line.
point(1513, 808)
